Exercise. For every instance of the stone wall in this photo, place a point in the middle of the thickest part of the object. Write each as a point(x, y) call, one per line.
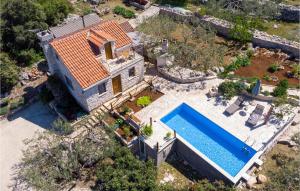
point(94, 99)
point(222, 27)
point(289, 13)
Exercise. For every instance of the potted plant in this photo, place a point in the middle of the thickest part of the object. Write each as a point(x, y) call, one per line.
point(168, 135)
point(147, 131)
point(127, 132)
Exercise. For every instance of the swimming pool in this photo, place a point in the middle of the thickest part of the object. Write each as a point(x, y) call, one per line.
point(218, 145)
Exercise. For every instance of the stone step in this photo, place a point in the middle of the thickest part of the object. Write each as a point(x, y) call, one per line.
point(88, 125)
point(91, 122)
point(94, 118)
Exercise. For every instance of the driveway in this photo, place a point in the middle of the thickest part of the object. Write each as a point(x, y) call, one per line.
point(36, 117)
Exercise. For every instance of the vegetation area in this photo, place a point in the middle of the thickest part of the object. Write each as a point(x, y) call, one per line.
point(126, 13)
point(20, 20)
point(281, 166)
point(229, 89)
point(192, 47)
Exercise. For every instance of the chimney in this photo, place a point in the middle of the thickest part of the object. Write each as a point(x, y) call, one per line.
point(83, 23)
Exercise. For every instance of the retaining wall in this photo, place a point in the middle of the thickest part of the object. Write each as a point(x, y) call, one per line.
point(289, 13)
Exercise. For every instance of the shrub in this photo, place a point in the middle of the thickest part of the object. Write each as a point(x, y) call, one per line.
point(143, 101)
point(147, 130)
point(266, 93)
point(61, 127)
point(267, 77)
point(296, 71)
point(249, 53)
point(296, 138)
point(119, 122)
point(127, 131)
point(281, 89)
point(202, 11)
point(229, 89)
point(28, 57)
point(124, 12)
point(273, 68)
point(240, 61)
point(281, 159)
point(16, 103)
point(168, 134)
point(4, 110)
point(9, 73)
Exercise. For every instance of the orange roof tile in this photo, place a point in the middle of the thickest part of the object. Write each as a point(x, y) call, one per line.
point(77, 54)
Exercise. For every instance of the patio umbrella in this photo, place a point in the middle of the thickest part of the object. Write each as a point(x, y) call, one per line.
point(256, 88)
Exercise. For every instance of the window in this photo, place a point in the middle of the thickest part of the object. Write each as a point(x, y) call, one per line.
point(95, 50)
point(131, 72)
point(69, 82)
point(102, 88)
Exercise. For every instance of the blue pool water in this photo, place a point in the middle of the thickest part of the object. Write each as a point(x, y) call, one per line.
point(218, 145)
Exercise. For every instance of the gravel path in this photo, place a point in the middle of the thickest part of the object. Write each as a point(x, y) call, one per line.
point(12, 133)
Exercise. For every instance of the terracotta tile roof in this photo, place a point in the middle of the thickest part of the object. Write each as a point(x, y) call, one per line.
point(99, 37)
point(77, 54)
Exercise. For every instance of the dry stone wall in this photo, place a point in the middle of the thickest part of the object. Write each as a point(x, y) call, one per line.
point(222, 27)
point(289, 12)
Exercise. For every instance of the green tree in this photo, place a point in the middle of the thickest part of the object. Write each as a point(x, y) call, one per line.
point(126, 172)
point(21, 19)
point(55, 10)
point(9, 73)
point(52, 162)
point(281, 89)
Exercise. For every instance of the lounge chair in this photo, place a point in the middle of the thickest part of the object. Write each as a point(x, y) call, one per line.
point(235, 106)
point(255, 115)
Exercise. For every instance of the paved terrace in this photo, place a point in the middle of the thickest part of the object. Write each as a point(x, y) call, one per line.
point(213, 109)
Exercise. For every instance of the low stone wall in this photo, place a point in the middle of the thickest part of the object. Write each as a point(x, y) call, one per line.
point(222, 27)
point(135, 4)
point(177, 79)
point(289, 12)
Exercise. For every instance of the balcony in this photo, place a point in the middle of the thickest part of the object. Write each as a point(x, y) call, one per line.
point(121, 62)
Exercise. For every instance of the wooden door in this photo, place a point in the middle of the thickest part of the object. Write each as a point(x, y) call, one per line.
point(108, 51)
point(117, 85)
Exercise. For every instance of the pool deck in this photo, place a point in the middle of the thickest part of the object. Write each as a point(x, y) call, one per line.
point(212, 109)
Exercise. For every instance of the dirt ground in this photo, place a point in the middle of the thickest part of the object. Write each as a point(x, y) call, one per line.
point(259, 68)
point(147, 92)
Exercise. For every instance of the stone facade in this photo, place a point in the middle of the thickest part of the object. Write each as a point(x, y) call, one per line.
point(90, 98)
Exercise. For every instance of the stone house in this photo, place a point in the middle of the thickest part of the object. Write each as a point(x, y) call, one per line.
point(96, 63)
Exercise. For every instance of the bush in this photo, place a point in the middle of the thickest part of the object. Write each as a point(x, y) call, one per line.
point(281, 89)
point(143, 101)
point(61, 127)
point(28, 57)
point(147, 130)
point(240, 61)
point(296, 71)
point(281, 159)
point(17, 103)
point(266, 93)
point(127, 131)
point(229, 89)
point(273, 68)
point(296, 138)
point(267, 77)
point(124, 12)
point(202, 11)
point(3, 110)
point(9, 73)
point(119, 122)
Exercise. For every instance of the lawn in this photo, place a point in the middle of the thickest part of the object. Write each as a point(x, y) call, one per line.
point(286, 30)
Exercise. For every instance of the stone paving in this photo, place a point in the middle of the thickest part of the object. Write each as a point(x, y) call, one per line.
point(175, 94)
